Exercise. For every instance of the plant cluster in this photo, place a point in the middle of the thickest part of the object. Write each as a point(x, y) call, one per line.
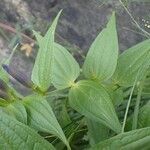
point(104, 105)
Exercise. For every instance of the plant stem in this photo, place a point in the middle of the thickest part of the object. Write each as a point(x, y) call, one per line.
point(7, 61)
point(11, 29)
point(144, 68)
point(136, 109)
point(128, 105)
point(125, 28)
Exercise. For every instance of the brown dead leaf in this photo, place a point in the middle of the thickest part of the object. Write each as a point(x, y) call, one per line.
point(27, 48)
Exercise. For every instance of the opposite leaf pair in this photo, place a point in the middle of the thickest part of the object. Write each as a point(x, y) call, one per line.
point(64, 71)
point(54, 64)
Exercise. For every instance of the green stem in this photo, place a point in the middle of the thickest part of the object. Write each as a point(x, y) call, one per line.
point(128, 105)
point(7, 61)
point(136, 109)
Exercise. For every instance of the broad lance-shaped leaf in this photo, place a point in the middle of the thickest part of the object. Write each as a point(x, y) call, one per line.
point(42, 70)
point(116, 95)
point(131, 62)
point(14, 135)
point(97, 132)
point(101, 60)
point(133, 140)
point(92, 100)
point(41, 116)
point(17, 110)
point(144, 116)
point(65, 68)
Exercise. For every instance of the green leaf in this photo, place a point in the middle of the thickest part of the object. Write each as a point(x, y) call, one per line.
point(17, 110)
point(101, 60)
point(92, 100)
point(116, 95)
point(3, 75)
point(143, 118)
point(146, 86)
point(42, 70)
point(130, 62)
point(96, 132)
point(3, 103)
point(63, 116)
point(15, 135)
point(41, 116)
point(65, 68)
point(133, 140)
